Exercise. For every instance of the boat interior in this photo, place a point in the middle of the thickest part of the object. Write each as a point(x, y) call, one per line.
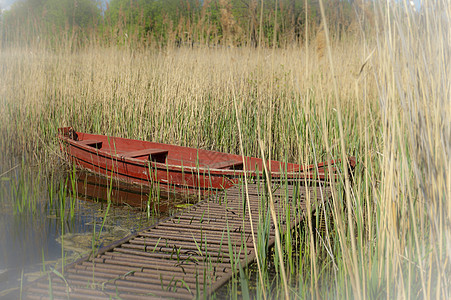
point(161, 153)
point(171, 154)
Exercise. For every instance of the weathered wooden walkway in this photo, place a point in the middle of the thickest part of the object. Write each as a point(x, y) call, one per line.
point(185, 256)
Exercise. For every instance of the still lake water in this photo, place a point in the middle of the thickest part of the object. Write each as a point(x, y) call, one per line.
point(47, 220)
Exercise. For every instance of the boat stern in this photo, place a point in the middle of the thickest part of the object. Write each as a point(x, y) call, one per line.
point(67, 132)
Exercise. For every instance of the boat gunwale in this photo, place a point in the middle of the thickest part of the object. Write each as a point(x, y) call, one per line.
point(308, 172)
point(145, 163)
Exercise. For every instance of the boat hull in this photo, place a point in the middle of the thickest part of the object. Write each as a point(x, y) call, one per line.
point(173, 168)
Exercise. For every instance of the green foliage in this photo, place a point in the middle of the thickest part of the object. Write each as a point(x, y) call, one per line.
point(174, 22)
point(143, 18)
point(71, 13)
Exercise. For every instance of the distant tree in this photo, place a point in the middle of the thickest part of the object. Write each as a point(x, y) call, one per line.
point(144, 17)
point(37, 18)
point(67, 14)
point(211, 22)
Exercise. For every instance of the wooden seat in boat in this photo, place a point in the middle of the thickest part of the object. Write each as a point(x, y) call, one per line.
point(228, 164)
point(158, 155)
point(91, 143)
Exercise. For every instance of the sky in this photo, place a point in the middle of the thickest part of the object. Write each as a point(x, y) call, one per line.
point(5, 4)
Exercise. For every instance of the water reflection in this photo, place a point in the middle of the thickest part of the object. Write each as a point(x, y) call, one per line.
point(50, 219)
point(98, 188)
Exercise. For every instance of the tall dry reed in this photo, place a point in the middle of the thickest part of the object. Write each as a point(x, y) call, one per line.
point(386, 102)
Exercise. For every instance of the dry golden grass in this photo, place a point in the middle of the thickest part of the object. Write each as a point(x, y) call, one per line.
point(391, 98)
point(180, 96)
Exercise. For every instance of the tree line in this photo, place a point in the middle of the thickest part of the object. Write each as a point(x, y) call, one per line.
point(175, 22)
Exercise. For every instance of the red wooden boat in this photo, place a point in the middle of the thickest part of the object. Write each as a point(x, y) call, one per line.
point(174, 168)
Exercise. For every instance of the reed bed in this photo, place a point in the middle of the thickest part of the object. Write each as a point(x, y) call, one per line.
point(182, 96)
point(383, 98)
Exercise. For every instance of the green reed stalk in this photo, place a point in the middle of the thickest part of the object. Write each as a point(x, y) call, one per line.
point(355, 274)
point(247, 195)
point(276, 226)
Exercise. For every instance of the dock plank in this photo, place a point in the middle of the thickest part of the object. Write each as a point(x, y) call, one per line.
point(184, 256)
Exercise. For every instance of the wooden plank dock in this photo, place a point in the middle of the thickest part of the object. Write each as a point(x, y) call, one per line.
point(185, 256)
